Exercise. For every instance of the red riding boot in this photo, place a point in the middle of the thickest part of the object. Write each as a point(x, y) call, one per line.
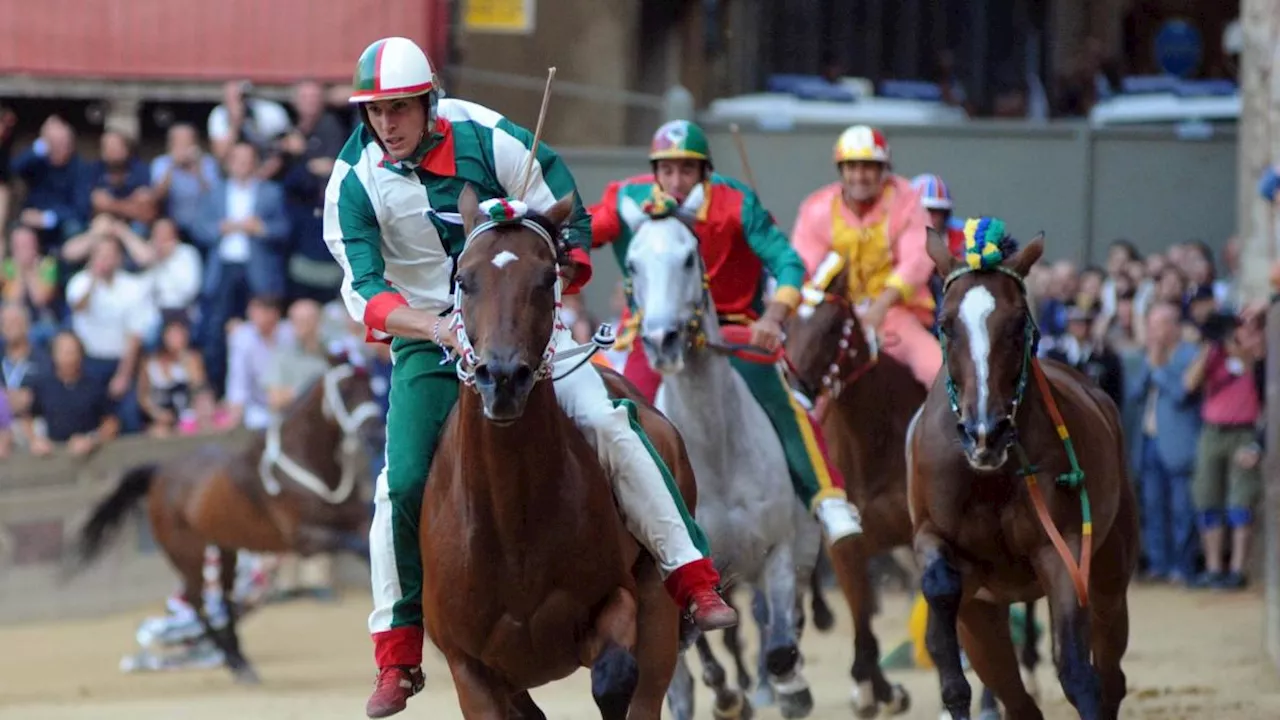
point(398, 653)
point(693, 586)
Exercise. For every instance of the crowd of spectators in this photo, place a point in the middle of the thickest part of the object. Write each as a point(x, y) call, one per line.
point(1168, 337)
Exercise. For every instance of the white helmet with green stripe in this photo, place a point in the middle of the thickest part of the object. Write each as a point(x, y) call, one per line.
point(390, 68)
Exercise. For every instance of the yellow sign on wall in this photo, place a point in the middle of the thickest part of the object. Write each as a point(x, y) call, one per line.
point(500, 16)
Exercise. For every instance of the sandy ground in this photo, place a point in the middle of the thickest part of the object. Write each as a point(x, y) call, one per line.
point(1191, 656)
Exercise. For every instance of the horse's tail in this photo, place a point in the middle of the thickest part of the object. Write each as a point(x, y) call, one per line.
point(107, 517)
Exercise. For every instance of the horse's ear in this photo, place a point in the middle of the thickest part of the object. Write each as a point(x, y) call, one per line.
point(560, 212)
point(936, 245)
point(693, 203)
point(630, 212)
point(468, 208)
point(1027, 255)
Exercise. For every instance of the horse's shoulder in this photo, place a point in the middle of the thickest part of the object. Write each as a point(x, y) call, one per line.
point(1078, 389)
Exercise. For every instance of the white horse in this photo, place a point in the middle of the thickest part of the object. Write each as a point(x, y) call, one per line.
point(745, 502)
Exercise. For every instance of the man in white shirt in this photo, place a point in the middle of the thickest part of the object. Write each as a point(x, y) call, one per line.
point(112, 312)
point(244, 118)
point(174, 269)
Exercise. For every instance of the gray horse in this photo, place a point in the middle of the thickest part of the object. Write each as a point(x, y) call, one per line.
point(745, 501)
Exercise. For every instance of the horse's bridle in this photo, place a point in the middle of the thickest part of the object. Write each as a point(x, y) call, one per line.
point(349, 422)
point(836, 378)
point(465, 367)
point(1031, 341)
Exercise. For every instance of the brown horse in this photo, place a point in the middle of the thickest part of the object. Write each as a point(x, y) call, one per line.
point(865, 399)
point(987, 533)
point(288, 491)
point(530, 573)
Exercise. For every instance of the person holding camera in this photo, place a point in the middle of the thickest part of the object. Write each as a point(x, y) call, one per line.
point(244, 118)
point(1228, 373)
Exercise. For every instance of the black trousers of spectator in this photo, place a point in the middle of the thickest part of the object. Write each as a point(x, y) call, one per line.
point(128, 411)
point(229, 299)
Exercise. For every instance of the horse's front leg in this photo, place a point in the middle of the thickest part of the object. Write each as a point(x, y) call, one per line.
point(1029, 655)
point(851, 560)
point(1071, 633)
point(943, 589)
point(481, 696)
point(781, 651)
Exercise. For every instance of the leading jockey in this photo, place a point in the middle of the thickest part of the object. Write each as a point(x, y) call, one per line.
point(390, 221)
point(871, 224)
point(738, 241)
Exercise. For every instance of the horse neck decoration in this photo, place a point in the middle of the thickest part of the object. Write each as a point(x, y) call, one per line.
point(344, 398)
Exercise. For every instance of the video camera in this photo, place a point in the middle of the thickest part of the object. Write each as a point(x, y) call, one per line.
point(1218, 327)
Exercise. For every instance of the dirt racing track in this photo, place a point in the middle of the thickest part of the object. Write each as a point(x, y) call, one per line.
point(1191, 656)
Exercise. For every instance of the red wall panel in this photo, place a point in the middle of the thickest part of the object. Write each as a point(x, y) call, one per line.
point(268, 41)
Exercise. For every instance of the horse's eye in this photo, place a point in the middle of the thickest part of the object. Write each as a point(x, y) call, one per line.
point(464, 285)
point(688, 261)
point(548, 279)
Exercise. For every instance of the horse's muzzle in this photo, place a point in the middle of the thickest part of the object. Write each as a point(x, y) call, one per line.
point(504, 384)
point(665, 350)
point(986, 442)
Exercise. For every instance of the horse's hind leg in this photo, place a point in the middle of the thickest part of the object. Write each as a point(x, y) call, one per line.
point(823, 618)
point(227, 638)
point(781, 651)
point(524, 708)
point(657, 643)
point(680, 693)
point(850, 559)
point(984, 632)
point(730, 702)
point(1029, 653)
point(733, 643)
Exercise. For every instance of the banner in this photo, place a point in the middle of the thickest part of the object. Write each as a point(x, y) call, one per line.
point(515, 17)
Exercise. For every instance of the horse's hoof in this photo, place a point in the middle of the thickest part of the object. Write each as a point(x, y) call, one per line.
point(864, 699)
point(796, 704)
point(246, 675)
point(739, 709)
point(823, 619)
point(899, 703)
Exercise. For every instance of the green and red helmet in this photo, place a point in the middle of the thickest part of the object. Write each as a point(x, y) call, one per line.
point(390, 68)
point(678, 140)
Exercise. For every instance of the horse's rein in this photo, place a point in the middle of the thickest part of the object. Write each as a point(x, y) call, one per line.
point(836, 378)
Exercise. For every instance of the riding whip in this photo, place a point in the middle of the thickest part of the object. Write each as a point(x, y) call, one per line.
point(537, 133)
point(742, 155)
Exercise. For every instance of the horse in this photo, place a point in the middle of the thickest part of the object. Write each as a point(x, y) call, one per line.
point(529, 570)
point(747, 507)
point(865, 400)
point(985, 532)
point(287, 491)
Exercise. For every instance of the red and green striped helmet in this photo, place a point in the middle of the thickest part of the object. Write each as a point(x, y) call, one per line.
point(393, 67)
point(679, 139)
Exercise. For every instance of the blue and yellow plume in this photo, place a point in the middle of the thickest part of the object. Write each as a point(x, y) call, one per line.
point(986, 242)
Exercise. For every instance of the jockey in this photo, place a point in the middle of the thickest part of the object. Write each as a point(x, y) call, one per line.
point(935, 196)
point(738, 242)
point(871, 224)
point(393, 187)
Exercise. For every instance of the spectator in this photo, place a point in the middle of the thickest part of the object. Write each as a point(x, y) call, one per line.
point(1089, 289)
point(245, 229)
point(251, 346)
point(72, 407)
point(310, 150)
point(1228, 371)
point(183, 177)
point(8, 121)
point(1062, 285)
point(31, 279)
point(242, 118)
point(1117, 331)
point(1165, 449)
point(171, 383)
point(23, 362)
point(1078, 349)
point(6, 424)
point(1227, 289)
point(57, 204)
point(1120, 254)
point(172, 268)
point(106, 228)
point(121, 184)
point(294, 366)
point(111, 313)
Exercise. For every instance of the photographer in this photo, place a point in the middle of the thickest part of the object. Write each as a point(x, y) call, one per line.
point(1228, 373)
point(244, 118)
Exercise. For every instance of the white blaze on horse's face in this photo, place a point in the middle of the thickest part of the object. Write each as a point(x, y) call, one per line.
point(501, 259)
point(975, 309)
point(666, 280)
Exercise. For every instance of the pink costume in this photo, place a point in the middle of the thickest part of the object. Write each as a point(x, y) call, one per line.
point(885, 248)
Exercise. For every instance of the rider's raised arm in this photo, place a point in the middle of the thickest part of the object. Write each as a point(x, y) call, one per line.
point(550, 181)
point(773, 248)
point(912, 265)
point(354, 238)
